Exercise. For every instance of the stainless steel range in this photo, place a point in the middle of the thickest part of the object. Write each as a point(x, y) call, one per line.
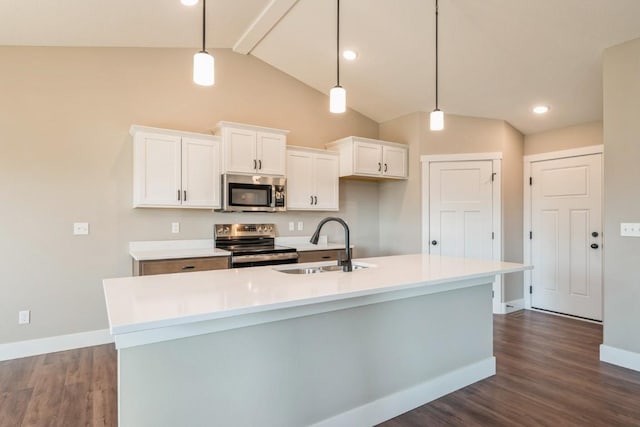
point(252, 245)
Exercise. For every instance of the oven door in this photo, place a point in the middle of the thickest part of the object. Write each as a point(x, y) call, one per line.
point(256, 260)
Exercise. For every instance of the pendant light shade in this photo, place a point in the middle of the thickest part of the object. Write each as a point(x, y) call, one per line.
point(203, 69)
point(436, 119)
point(338, 100)
point(337, 95)
point(203, 63)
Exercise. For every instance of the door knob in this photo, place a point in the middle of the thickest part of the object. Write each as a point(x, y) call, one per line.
point(434, 242)
point(595, 234)
point(594, 246)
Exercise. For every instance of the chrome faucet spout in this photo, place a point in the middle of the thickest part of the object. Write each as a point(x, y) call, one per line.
point(346, 263)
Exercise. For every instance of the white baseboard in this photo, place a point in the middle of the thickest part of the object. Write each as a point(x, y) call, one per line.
point(617, 356)
point(16, 350)
point(398, 403)
point(514, 305)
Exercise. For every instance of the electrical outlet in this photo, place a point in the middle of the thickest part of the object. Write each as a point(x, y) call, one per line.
point(630, 229)
point(80, 228)
point(300, 226)
point(175, 227)
point(291, 226)
point(24, 317)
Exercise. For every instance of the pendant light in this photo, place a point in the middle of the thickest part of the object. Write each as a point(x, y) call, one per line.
point(203, 71)
point(436, 120)
point(337, 95)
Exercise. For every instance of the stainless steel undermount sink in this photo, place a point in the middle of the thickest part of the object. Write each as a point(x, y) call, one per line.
point(318, 269)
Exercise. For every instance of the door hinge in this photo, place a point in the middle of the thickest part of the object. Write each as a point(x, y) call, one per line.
point(493, 235)
point(530, 181)
point(530, 289)
point(530, 235)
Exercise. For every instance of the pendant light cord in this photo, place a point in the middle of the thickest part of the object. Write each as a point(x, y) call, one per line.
point(436, 54)
point(338, 44)
point(204, 26)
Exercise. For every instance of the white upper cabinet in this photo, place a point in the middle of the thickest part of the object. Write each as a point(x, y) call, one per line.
point(364, 157)
point(312, 179)
point(175, 169)
point(253, 149)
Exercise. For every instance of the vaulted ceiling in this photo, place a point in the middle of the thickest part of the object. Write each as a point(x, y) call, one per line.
point(497, 57)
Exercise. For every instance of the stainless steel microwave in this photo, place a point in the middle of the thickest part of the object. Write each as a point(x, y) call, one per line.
point(253, 193)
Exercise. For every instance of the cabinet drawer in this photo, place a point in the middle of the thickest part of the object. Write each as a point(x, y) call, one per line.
point(326, 255)
point(146, 268)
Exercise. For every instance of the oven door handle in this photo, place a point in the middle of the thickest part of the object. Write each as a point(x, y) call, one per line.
point(241, 259)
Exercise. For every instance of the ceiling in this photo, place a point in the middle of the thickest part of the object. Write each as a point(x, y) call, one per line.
point(497, 57)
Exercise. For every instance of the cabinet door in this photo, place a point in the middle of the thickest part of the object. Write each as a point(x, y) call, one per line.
point(367, 158)
point(200, 173)
point(326, 173)
point(299, 180)
point(157, 167)
point(272, 152)
point(394, 161)
point(240, 150)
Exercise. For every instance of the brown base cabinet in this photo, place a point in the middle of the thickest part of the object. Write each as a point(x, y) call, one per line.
point(164, 266)
point(324, 255)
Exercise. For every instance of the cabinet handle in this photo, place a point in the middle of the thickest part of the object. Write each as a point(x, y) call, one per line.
point(255, 164)
point(311, 200)
point(260, 164)
point(434, 242)
point(316, 197)
point(184, 197)
point(188, 267)
point(179, 195)
point(379, 167)
point(326, 257)
point(385, 167)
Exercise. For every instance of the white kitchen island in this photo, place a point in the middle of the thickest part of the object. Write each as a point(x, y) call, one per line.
point(258, 347)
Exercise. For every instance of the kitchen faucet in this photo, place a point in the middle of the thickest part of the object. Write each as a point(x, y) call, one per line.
point(346, 263)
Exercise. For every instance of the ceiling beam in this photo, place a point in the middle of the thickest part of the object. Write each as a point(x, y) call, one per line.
point(262, 25)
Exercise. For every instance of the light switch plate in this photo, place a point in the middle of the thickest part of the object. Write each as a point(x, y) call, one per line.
point(630, 229)
point(300, 226)
point(80, 228)
point(175, 227)
point(291, 226)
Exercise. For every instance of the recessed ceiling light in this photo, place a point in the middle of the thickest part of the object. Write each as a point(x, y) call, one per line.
point(349, 55)
point(189, 2)
point(541, 109)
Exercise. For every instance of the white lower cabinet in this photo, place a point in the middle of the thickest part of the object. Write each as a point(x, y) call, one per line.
point(175, 169)
point(312, 179)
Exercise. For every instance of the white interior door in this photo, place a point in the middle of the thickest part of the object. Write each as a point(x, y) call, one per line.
point(566, 243)
point(461, 209)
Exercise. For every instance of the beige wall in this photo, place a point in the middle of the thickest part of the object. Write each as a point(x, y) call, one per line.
point(564, 139)
point(67, 156)
point(622, 201)
point(400, 203)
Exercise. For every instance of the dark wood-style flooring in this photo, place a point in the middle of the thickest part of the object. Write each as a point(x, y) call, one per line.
point(548, 375)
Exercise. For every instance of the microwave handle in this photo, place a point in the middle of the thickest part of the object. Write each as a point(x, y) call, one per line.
point(272, 197)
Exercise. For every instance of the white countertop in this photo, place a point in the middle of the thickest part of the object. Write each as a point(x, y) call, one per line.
point(149, 302)
point(174, 249)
